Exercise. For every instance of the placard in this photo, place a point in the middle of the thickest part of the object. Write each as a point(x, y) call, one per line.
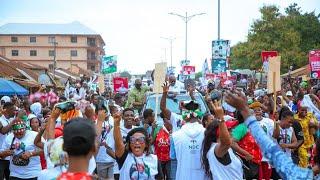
point(159, 76)
point(120, 84)
point(274, 80)
point(314, 62)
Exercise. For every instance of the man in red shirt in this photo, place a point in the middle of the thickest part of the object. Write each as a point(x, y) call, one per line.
point(161, 138)
point(79, 136)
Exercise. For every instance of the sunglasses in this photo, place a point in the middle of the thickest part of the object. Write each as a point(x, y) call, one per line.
point(140, 140)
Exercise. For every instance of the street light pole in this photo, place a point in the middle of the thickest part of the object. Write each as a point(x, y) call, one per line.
point(54, 58)
point(186, 19)
point(218, 19)
point(170, 41)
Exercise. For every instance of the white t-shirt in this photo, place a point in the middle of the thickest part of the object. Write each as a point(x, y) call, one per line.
point(187, 145)
point(179, 86)
point(110, 142)
point(102, 156)
point(26, 142)
point(222, 172)
point(51, 173)
point(50, 165)
point(144, 167)
point(268, 126)
point(286, 138)
point(4, 122)
point(176, 121)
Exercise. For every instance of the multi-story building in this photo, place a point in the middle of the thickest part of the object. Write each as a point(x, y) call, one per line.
point(43, 44)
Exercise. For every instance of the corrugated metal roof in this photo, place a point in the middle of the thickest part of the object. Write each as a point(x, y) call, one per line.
point(45, 28)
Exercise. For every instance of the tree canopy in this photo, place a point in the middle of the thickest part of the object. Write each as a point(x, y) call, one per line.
point(292, 34)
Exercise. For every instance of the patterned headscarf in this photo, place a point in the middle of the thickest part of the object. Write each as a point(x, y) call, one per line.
point(18, 127)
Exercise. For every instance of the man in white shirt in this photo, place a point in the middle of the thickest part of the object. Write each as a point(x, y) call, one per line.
point(5, 127)
point(175, 86)
point(272, 129)
point(104, 161)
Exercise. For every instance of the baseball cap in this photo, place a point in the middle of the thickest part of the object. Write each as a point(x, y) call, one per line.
point(79, 136)
point(289, 93)
point(31, 116)
point(6, 99)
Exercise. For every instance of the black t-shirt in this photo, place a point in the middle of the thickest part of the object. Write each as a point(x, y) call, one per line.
point(297, 130)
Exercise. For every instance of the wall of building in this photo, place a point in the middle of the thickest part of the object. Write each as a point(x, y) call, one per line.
point(43, 46)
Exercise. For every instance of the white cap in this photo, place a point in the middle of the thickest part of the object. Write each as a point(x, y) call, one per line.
point(31, 116)
point(289, 93)
point(6, 99)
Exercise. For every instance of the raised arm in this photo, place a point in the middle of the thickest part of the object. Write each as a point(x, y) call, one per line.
point(119, 146)
point(163, 102)
point(278, 159)
point(225, 140)
point(52, 123)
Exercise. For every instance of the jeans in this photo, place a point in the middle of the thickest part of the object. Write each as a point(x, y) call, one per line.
point(165, 168)
point(4, 169)
point(173, 170)
point(105, 170)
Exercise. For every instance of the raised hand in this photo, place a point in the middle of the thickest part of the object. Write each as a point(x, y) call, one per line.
point(218, 110)
point(117, 118)
point(55, 113)
point(237, 100)
point(102, 115)
point(165, 87)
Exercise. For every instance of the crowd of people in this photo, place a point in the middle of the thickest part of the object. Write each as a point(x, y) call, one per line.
point(84, 134)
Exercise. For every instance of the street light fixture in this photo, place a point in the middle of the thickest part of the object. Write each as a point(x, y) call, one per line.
point(170, 41)
point(186, 19)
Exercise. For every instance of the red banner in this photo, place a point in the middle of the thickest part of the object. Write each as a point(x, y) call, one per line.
point(187, 70)
point(210, 76)
point(314, 61)
point(265, 55)
point(120, 84)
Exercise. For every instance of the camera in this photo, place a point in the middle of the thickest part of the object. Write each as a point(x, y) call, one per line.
point(102, 104)
point(215, 95)
point(66, 106)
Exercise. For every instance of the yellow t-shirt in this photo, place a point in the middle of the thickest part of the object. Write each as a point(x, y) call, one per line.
point(304, 122)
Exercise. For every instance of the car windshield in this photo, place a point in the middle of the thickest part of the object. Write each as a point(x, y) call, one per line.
point(173, 104)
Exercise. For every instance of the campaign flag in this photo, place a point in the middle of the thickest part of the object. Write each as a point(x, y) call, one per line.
point(210, 76)
point(205, 68)
point(220, 49)
point(219, 66)
point(188, 70)
point(314, 61)
point(109, 64)
point(120, 84)
point(265, 56)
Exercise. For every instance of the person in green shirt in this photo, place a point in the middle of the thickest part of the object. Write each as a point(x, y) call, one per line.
point(136, 96)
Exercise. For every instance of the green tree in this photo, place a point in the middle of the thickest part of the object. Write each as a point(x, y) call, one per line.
point(198, 75)
point(125, 74)
point(292, 34)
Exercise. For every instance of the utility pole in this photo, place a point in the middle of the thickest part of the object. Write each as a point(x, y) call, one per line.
point(218, 19)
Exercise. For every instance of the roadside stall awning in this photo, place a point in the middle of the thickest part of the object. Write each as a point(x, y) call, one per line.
point(10, 88)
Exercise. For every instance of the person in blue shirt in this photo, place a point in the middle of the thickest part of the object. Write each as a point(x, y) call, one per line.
point(278, 159)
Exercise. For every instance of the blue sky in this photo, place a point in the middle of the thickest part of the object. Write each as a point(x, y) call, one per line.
point(132, 28)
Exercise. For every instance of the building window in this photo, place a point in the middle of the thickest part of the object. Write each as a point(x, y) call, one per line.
point(33, 52)
point(14, 39)
point(74, 39)
point(91, 41)
point(51, 52)
point(93, 68)
point(92, 56)
point(33, 39)
point(74, 53)
point(51, 39)
point(14, 53)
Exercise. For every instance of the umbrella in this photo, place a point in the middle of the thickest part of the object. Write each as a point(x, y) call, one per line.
point(9, 88)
